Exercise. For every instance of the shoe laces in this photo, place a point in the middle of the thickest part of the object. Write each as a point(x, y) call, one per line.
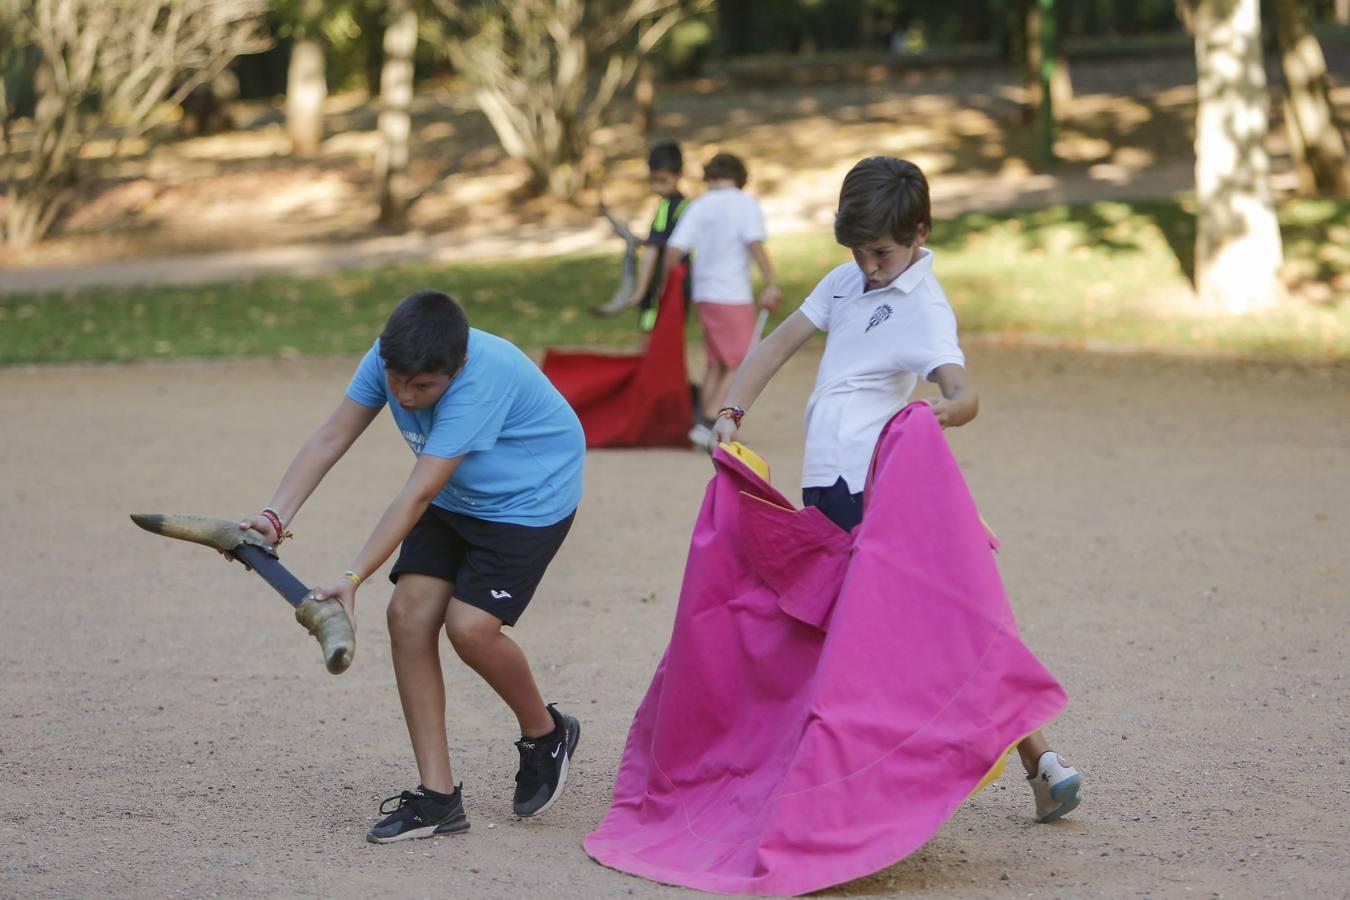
point(406, 798)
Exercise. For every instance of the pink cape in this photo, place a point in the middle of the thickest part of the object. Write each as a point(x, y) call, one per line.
point(826, 700)
point(633, 399)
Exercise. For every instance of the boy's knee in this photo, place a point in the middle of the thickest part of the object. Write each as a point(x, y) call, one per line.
point(411, 616)
point(470, 637)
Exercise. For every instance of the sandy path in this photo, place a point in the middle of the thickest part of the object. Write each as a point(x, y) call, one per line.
point(1174, 541)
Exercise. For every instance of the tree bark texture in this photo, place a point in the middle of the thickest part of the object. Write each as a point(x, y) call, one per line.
point(644, 95)
point(395, 123)
point(306, 90)
point(1061, 82)
point(1238, 250)
point(1314, 135)
point(306, 84)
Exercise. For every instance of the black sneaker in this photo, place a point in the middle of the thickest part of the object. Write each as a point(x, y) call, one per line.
point(418, 815)
point(544, 764)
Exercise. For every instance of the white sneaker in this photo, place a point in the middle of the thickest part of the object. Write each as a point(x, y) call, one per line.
point(1056, 786)
point(701, 436)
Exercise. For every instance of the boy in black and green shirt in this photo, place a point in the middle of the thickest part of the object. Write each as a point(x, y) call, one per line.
point(665, 164)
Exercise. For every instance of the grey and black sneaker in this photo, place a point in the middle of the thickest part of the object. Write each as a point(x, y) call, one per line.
point(544, 762)
point(420, 813)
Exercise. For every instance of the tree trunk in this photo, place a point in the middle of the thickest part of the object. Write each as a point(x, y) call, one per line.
point(1343, 12)
point(31, 215)
point(396, 94)
point(1238, 251)
point(1319, 149)
point(35, 201)
point(208, 108)
point(373, 21)
point(645, 95)
point(306, 85)
point(1061, 84)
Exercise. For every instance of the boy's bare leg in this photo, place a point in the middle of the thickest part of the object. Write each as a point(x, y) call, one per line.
point(416, 612)
point(716, 380)
point(1031, 748)
point(477, 638)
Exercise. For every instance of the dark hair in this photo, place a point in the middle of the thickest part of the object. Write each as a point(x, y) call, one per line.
point(426, 333)
point(726, 165)
point(666, 157)
point(882, 197)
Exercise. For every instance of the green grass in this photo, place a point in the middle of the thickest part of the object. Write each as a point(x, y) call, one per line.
point(1105, 272)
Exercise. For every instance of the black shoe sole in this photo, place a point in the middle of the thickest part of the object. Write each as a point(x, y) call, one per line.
point(455, 825)
point(573, 738)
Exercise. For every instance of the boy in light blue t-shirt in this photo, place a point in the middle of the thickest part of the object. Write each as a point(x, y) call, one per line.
point(490, 499)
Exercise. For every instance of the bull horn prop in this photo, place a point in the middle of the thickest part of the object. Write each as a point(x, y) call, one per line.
point(327, 619)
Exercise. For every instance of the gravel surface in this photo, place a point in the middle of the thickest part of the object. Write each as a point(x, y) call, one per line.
point(1174, 541)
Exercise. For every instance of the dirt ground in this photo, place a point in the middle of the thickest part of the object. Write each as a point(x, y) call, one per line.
point(1174, 542)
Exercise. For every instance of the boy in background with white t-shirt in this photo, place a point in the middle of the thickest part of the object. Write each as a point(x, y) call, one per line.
point(889, 324)
point(724, 230)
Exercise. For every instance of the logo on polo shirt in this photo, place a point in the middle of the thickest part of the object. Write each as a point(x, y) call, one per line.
point(879, 315)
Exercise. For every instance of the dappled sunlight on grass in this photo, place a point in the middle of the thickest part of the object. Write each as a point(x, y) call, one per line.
point(1095, 275)
point(799, 125)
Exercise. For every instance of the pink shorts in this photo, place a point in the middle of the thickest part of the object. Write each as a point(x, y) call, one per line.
point(728, 329)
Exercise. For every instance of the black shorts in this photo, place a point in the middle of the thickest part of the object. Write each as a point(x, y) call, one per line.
point(494, 566)
point(838, 505)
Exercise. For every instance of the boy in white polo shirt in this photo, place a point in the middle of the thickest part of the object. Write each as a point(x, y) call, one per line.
point(723, 230)
point(889, 324)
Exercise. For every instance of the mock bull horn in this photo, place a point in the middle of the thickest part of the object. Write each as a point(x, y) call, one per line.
point(326, 619)
point(219, 534)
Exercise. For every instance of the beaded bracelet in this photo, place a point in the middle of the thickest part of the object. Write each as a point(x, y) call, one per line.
point(734, 413)
point(274, 519)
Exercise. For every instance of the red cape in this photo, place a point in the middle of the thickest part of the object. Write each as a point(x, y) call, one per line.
point(635, 399)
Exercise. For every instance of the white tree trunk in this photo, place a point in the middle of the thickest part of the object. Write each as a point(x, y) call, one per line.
point(306, 85)
point(396, 94)
point(1238, 251)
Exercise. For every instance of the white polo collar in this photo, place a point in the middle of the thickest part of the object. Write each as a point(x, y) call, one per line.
point(911, 278)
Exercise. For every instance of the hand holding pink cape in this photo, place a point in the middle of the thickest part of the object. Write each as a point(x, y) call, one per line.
point(827, 700)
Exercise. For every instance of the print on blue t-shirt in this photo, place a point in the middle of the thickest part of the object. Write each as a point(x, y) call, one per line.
point(501, 402)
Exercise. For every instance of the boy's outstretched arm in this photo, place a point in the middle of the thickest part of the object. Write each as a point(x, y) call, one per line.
point(959, 402)
point(761, 365)
point(428, 477)
point(772, 294)
point(651, 256)
point(320, 451)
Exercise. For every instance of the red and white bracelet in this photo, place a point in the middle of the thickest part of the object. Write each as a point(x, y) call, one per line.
point(734, 413)
point(274, 520)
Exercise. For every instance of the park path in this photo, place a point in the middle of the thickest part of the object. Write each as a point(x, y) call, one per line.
point(811, 208)
point(1174, 543)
